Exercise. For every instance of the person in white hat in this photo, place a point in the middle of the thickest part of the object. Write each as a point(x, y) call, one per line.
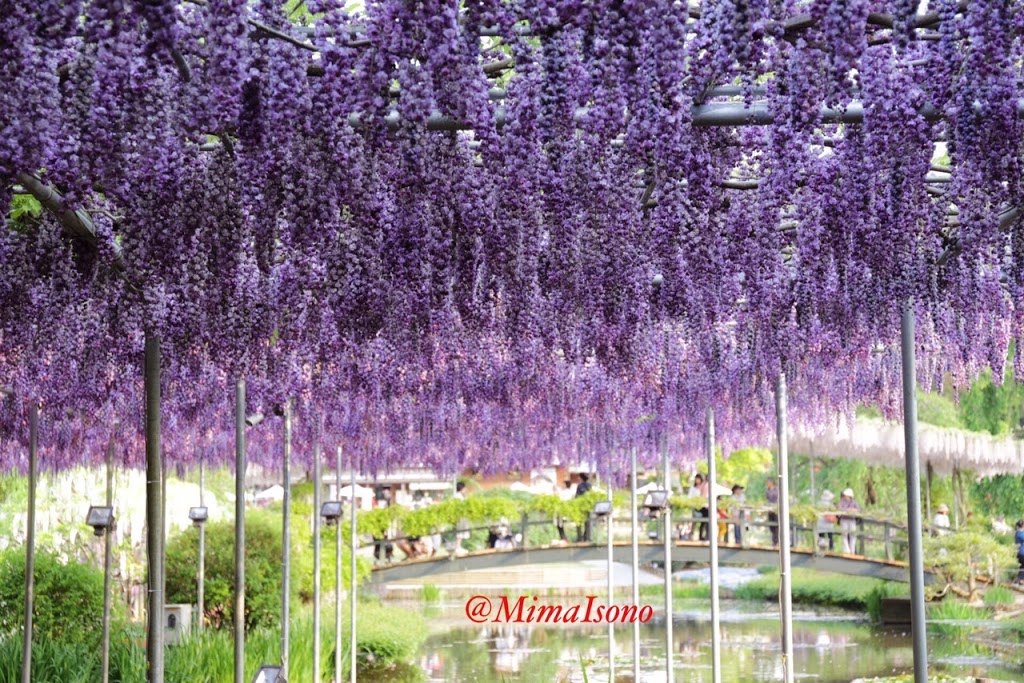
point(848, 524)
point(941, 520)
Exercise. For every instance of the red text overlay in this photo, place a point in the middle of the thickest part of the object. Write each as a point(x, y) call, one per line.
point(528, 609)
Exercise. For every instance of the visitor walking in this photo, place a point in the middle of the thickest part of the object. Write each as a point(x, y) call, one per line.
point(772, 494)
point(583, 488)
point(826, 527)
point(703, 490)
point(738, 500)
point(1018, 538)
point(941, 520)
point(848, 523)
point(565, 494)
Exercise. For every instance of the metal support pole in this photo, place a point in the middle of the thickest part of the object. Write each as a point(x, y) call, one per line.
point(30, 543)
point(286, 540)
point(611, 584)
point(716, 629)
point(201, 579)
point(635, 569)
point(108, 551)
point(916, 558)
point(317, 485)
point(669, 675)
point(785, 564)
point(928, 492)
point(240, 531)
point(354, 545)
point(154, 516)
point(337, 571)
point(163, 531)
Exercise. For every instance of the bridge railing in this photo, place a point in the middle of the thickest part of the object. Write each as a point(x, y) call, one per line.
point(878, 538)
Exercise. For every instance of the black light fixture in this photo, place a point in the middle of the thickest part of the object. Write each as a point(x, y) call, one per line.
point(656, 501)
point(100, 518)
point(198, 515)
point(331, 511)
point(269, 673)
point(602, 508)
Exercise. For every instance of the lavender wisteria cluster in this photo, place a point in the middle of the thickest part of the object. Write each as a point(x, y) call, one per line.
point(494, 233)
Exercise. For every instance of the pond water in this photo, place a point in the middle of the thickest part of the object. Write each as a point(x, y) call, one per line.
point(828, 646)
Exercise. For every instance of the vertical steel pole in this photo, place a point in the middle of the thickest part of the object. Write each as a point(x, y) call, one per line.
point(917, 616)
point(635, 569)
point(108, 551)
point(928, 493)
point(317, 485)
point(353, 546)
point(611, 582)
point(154, 515)
point(201, 579)
point(30, 543)
point(240, 531)
point(337, 572)
point(163, 531)
point(669, 674)
point(716, 629)
point(286, 540)
point(785, 571)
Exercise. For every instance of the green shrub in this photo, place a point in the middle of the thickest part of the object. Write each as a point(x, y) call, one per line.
point(262, 570)
point(69, 599)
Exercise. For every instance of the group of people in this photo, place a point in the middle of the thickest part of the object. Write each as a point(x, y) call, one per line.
point(845, 516)
point(701, 489)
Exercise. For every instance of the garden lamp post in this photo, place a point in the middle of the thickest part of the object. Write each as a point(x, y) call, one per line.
point(603, 508)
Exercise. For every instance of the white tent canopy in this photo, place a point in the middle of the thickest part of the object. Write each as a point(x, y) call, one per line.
point(361, 492)
point(881, 443)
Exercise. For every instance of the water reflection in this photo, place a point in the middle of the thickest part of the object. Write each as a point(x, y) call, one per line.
point(836, 649)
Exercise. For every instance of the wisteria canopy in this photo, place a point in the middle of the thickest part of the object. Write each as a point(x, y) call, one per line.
point(492, 233)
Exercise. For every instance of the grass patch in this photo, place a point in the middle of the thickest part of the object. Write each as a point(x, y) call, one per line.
point(999, 595)
point(429, 593)
point(681, 590)
point(387, 637)
point(955, 610)
point(816, 588)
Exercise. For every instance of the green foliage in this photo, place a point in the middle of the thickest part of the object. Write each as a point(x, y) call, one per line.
point(938, 410)
point(997, 409)
point(681, 590)
point(999, 495)
point(24, 210)
point(961, 557)
point(851, 592)
point(955, 610)
point(387, 636)
point(262, 570)
point(741, 466)
point(69, 599)
point(999, 595)
point(873, 599)
point(430, 593)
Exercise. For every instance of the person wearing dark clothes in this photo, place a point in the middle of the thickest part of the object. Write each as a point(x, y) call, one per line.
point(1018, 538)
point(583, 534)
point(772, 494)
point(705, 512)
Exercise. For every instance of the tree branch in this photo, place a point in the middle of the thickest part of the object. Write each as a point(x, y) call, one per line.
point(77, 224)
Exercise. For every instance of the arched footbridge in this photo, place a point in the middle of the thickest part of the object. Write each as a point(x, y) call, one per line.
point(649, 552)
